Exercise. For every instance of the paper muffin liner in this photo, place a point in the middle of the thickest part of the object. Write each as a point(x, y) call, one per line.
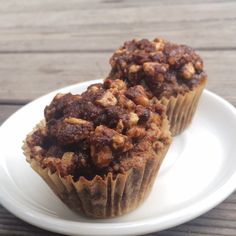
point(104, 197)
point(181, 109)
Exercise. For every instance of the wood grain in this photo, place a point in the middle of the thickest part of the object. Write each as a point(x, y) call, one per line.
point(24, 77)
point(6, 111)
point(55, 25)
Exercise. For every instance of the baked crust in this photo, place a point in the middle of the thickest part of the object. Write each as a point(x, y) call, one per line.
point(163, 68)
point(108, 129)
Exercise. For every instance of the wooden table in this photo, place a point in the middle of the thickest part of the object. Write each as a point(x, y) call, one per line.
point(45, 45)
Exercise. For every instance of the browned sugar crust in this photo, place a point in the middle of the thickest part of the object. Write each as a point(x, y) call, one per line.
point(165, 69)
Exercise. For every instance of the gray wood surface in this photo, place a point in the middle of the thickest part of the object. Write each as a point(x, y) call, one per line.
point(49, 44)
point(26, 76)
point(56, 25)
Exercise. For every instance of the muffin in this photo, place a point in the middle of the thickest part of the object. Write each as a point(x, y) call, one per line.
point(172, 73)
point(100, 151)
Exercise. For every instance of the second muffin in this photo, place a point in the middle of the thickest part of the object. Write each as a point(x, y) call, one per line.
point(100, 151)
point(172, 73)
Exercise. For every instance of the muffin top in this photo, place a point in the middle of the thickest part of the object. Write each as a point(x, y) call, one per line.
point(108, 128)
point(164, 69)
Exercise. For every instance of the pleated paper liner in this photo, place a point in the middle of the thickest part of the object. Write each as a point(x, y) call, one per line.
point(105, 197)
point(181, 109)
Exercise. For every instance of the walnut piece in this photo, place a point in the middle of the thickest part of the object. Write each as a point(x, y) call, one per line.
point(159, 43)
point(188, 71)
point(155, 69)
point(138, 95)
point(118, 84)
point(136, 132)
point(198, 65)
point(133, 119)
point(134, 68)
point(107, 99)
point(101, 158)
point(59, 95)
point(93, 88)
point(120, 126)
point(76, 121)
point(104, 136)
point(67, 159)
point(123, 101)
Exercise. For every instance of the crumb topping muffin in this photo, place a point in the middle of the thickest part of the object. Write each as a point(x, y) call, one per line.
point(170, 72)
point(165, 69)
point(108, 128)
point(100, 151)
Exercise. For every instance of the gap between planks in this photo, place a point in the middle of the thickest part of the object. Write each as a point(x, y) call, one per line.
point(109, 50)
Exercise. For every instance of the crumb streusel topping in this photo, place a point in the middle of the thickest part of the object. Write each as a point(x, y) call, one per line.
point(161, 67)
point(108, 128)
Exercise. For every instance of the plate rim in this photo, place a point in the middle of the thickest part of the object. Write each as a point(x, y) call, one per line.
point(138, 226)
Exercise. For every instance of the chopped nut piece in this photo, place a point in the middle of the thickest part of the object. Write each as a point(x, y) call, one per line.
point(136, 132)
point(159, 43)
point(59, 95)
point(149, 68)
point(101, 158)
point(125, 102)
point(93, 88)
point(188, 71)
point(155, 118)
point(118, 141)
point(134, 68)
point(198, 65)
point(119, 50)
point(121, 142)
point(77, 121)
point(123, 64)
point(138, 95)
point(120, 126)
point(117, 83)
point(107, 99)
point(154, 130)
point(104, 136)
point(133, 119)
point(155, 69)
point(67, 159)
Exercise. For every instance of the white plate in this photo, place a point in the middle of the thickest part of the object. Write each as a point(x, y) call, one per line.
point(198, 173)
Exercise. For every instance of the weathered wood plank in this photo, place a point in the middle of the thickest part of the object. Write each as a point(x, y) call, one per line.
point(6, 111)
point(10, 225)
point(24, 77)
point(103, 25)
